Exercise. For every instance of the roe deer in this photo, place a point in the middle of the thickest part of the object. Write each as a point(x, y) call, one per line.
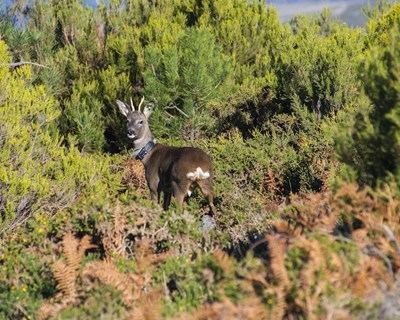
point(171, 170)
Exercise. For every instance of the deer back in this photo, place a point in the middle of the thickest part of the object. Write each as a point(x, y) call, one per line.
point(178, 164)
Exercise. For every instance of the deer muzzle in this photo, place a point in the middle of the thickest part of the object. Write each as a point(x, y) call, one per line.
point(131, 134)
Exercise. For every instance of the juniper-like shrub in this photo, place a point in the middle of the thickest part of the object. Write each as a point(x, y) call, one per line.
point(185, 78)
point(371, 147)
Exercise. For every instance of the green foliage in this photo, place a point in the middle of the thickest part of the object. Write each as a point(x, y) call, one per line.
point(37, 174)
point(185, 78)
point(382, 19)
point(25, 279)
point(250, 34)
point(111, 308)
point(317, 66)
point(372, 149)
point(83, 113)
point(188, 287)
point(287, 113)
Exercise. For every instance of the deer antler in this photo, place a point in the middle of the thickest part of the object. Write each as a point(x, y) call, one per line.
point(141, 101)
point(132, 106)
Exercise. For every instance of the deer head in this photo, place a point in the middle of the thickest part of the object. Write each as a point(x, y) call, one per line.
point(137, 121)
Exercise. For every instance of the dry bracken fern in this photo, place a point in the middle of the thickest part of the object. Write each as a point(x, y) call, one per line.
point(248, 309)
point(66, 274)
point(277, 248)
point(134, 176)
point(114, 236)
point(224, 262)
point(133, 287)
point(313, 212)
point(107, 273)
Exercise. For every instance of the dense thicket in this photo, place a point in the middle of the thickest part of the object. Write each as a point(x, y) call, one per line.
point(303, 124)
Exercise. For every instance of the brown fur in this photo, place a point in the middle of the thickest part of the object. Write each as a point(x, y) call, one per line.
point(166, 167)
point(166, 171)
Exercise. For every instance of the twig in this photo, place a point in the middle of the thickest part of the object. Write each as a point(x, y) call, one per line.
point(154, 71)
point(390, 235)
point(17, 64)
point(170, 115)
point(215, 88)
point(179, 110)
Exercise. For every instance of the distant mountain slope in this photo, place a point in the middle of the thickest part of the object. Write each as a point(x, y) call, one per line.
point(347, 11)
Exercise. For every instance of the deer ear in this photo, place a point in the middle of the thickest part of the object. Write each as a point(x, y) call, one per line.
point(123, 108)
point(148, 109)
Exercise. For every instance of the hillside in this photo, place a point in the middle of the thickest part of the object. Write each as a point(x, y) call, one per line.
point(302, 124)
point(349, 12)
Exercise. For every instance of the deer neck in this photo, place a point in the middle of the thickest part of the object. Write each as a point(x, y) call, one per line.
point(143, 146)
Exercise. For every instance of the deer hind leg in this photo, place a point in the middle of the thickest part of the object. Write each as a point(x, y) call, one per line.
point(208, 192)
point(154, 195)
point(180, 190)
point(167, 200)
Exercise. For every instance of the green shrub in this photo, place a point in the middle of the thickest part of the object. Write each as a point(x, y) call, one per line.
point(371, 146)
point(37, 174)
point(317, 65)
point(184, 78)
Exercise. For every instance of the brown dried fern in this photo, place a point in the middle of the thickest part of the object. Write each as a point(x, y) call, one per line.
point(149, 307)
point(145, 255)
point(134, 176)
point(66, 274)
point(107, 273)
point(287, 229)
point(379, 215)
point(66, 278)
point(277, 248)
point(272, 183)
point(248, 309)
point(115, 234)
point(313, 212)
point(369, 271)
point(50, 309)
point(142, 304)
point(310, 284)
point(223, 261)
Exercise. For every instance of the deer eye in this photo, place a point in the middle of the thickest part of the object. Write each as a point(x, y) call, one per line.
point(140, 122)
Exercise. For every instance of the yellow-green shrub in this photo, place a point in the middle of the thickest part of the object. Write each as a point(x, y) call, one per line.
point(37, 174)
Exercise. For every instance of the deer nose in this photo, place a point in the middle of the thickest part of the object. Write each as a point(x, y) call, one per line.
point(131, 133)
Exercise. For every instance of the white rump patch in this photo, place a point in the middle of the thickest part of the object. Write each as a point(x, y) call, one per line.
point(199, 174)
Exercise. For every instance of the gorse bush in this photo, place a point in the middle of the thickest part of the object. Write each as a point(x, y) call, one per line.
point(37, 174)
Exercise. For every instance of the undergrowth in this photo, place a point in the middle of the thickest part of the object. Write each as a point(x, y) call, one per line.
point(301, 121)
